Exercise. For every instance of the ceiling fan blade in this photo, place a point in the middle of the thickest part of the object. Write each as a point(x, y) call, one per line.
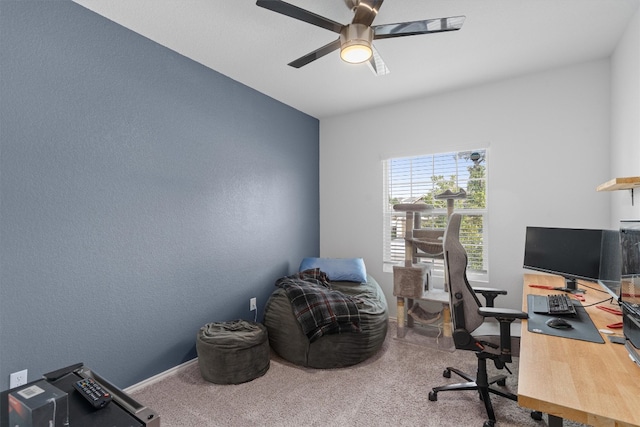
point(376, 64)
point(300, 14)
point(318, 53)
point(413, 28)
point(366, 11)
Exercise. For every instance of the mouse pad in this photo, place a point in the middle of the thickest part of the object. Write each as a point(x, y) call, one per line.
point(583, 327)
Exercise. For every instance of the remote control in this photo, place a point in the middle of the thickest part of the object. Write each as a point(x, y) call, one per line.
point(93, 392)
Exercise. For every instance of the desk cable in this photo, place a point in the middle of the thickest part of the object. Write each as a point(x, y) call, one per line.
point(592, 288)
point(53, 420)
point(610, 299)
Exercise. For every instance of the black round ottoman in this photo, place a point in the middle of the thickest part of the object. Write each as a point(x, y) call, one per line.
point(232, 352)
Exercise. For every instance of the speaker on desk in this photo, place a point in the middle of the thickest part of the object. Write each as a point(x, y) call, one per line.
point(38, 405)
point(630, 280)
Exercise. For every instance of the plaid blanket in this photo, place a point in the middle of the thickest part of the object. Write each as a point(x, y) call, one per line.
point(319, 309)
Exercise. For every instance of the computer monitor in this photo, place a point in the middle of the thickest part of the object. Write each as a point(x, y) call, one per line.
point(610, 264)
point(572, 253)
point(630, 280)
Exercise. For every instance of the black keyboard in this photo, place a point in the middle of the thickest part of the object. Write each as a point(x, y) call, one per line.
point(560, 304)
point(553, 304)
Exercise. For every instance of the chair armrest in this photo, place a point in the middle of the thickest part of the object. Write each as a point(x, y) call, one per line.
point(489, 294)
point(502, 313)
point(506, 316)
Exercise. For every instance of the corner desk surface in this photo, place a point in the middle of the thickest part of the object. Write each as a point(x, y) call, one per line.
point(595, 384)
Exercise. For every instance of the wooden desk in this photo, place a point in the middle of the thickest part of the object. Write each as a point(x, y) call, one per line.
point(601, 383)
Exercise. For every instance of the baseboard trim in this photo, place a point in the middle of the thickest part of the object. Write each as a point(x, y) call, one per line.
point(172, 371)
point(162, 375)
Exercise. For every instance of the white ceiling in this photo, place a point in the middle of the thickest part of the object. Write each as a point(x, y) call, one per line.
point(253, 45)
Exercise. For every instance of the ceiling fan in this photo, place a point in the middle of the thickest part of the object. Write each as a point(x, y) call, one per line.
point(355, 41)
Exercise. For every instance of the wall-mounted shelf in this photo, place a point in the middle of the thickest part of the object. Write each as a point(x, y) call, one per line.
point(628, 183)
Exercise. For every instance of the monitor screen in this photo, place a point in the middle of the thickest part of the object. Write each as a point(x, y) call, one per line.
point(610, 263)
point(572, 253)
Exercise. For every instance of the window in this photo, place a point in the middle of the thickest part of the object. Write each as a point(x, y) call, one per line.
point(418, 180)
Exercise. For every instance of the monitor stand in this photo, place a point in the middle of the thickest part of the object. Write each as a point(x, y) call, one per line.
point(571, 286)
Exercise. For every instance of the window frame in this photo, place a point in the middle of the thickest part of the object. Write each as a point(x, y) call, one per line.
point(395, 246)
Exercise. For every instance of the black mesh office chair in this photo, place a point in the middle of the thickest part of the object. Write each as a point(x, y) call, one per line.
point(475, 327)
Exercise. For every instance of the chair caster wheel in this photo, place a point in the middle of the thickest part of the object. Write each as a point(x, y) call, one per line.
point(433, 396)
point(502, 382)
point(446, 373)
point(489, 423)
point(536, 415)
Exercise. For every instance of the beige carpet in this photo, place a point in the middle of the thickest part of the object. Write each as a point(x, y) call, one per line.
point(389, 389)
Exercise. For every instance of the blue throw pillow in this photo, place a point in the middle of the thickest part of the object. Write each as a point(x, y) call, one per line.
point(338, 269)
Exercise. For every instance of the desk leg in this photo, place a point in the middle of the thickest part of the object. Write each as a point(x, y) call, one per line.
point(555, 421)
point(400, 316)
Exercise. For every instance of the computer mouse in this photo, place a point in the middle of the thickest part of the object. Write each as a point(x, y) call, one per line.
point(558, 323)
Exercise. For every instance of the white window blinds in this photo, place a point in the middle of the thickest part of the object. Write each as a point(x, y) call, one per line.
point(418, 180)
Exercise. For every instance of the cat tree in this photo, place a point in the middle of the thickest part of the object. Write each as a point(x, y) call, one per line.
point(413, 280)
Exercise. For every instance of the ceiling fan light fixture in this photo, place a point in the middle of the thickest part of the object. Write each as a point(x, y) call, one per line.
point(355, 43)
point(355, 53)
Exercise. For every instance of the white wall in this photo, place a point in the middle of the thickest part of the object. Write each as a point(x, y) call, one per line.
point(548, 135)
point(625, 120)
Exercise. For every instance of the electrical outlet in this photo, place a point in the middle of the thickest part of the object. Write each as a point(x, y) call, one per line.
point(252, 304)
point(18, 378)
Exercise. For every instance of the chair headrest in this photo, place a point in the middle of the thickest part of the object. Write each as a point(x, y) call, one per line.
point(452, 233)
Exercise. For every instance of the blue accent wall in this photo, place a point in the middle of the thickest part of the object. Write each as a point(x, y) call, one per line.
point(143, 195)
